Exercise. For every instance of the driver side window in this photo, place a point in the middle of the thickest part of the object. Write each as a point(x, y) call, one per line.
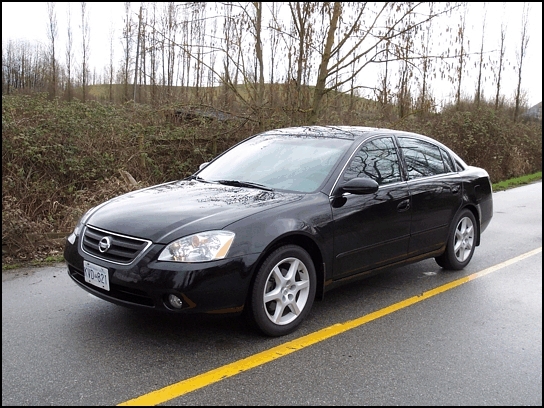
point(377, 159)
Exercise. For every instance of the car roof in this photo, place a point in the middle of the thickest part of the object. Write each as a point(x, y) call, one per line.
point(339, 132)
point(347, 132)
point(353, 133)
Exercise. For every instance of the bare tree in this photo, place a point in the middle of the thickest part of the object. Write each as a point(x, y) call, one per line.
point(210, 83)
point(138, 40)
point(502, 52)
point(183, 55)
point(8, 67)
point(153, 54)
point(256, 22)
point(403, 51)
point(304, 22)
point(521, 54)
point(462, 54)
point(360, 38)
point(197, 24)
point(128, 27)
point(169, 30)
point(274, 38)
point(232, 48)
point(383, 91)
point(25, 67)
point(342, 38)
point(111, 69)
point(324, 71)
point(52, 32)
point(481, 62)
point(69, 55)
point(144, 46)
point(85, 32)
point(425, 99)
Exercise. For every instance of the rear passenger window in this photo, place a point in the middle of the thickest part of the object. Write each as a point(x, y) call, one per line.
point(422, 158)
point(459, 166)
point(448, 163)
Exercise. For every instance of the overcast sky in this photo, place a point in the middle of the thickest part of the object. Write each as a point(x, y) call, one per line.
point(28, 20)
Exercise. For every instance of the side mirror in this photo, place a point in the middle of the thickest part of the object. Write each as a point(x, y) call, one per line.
point(360, 185)
point(203, 165)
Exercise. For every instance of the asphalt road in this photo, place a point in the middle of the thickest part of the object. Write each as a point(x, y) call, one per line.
point(415, 335)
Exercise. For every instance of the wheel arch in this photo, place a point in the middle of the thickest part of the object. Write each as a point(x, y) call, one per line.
point(306, 243)
point(475, 210)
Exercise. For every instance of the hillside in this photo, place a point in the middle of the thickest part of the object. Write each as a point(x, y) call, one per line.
point(61, 158)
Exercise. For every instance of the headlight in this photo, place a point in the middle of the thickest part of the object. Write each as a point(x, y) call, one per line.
point(79, 226)
point(201, 247)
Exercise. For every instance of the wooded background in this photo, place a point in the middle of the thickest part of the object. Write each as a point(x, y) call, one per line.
point(229, 53)
point(198, 77)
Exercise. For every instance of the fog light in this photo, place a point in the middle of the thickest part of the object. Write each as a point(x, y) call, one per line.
point(175, 301)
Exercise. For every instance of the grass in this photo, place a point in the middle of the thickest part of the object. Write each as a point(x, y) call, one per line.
point(516, 182)
point(50, 260)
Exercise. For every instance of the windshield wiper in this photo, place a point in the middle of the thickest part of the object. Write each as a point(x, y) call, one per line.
point(238, 183)
point(198, 178)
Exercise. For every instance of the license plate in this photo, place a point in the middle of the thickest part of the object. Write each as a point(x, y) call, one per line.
point(96, 275)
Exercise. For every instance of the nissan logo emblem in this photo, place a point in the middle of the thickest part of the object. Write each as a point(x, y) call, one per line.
point(104, 244)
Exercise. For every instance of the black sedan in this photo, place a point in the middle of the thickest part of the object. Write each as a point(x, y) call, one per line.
point(279, 219)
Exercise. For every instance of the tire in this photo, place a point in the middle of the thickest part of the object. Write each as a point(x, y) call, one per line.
point(283, 291)
point(461, 242)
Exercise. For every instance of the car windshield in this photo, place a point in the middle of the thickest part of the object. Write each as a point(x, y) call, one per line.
point(295, 163)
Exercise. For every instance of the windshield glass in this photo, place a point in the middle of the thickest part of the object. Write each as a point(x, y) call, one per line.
point(297, 163)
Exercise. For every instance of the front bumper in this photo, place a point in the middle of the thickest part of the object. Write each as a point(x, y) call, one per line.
point(214, 287)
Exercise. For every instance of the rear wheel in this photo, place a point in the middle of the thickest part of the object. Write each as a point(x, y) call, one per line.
point(283, 292)
point(461, 242)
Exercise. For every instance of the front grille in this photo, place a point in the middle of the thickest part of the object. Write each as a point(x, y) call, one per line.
point(123, 250)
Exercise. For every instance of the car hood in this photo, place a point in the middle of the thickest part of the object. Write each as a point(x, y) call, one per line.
point(172, 210)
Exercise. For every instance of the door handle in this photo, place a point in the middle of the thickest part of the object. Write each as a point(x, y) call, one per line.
point(404, 205)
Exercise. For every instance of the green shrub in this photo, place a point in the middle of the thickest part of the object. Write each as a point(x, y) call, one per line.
point(61, 158)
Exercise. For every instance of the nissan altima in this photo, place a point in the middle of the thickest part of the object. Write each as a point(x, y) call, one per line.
point(279, 219)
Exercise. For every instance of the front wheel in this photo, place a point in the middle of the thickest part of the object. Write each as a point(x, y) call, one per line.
point(283, 292)
point(461, 242)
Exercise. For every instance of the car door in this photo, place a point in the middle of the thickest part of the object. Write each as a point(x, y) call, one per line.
point(371, 230)
point(435, 190)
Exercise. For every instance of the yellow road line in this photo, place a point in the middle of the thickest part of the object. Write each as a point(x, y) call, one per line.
point(229, 370)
